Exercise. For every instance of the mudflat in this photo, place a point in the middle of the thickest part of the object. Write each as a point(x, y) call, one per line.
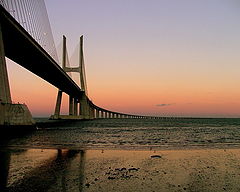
point(123, 170)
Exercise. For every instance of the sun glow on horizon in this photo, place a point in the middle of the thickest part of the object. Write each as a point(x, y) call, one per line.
point(160, 58)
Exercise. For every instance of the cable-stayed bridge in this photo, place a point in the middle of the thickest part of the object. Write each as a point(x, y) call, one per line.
point(26, 38)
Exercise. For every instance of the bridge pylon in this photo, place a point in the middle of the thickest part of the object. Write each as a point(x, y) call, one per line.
point(79, 108)
point(10, 114)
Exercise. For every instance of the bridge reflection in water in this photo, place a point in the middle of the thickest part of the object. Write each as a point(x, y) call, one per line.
point(54, 170)
point(41, 170)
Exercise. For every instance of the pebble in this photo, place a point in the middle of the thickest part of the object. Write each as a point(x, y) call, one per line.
point(111, 178)
point(156, 156)
point(133, 169)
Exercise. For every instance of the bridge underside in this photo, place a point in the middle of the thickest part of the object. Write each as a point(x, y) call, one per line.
point(18, 45)
point(23, 49)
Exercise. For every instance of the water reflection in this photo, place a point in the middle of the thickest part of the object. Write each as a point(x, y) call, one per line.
point(41, 170)
point(4, 168)
point(52, 170)
point(81, 170)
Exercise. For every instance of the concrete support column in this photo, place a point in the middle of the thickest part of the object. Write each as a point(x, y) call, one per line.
point(84, 108)
point(70, 105)
point(97, 113)
point(92, 115)
point(79, 108)
point(88, 111)
point(5, 96)
point(75, 110)
point(58, 104)
point(91, 112)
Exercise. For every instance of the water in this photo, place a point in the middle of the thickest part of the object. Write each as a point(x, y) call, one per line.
point(91, 156)
point(133, 133)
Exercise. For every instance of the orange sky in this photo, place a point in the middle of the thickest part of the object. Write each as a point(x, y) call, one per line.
point(171, 59)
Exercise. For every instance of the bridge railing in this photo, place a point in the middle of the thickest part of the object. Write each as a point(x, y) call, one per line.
point(32, 16)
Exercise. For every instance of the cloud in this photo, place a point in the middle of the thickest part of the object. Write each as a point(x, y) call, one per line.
point(165, 104)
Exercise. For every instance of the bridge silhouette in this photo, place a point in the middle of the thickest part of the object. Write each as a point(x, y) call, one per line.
point(26, 38)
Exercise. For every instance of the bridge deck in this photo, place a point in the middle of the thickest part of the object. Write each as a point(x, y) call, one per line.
point(18, 43)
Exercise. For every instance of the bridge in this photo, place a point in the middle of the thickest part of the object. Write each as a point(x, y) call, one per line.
point(26, 38)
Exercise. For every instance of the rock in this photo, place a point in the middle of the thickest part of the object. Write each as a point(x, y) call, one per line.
point(111, 178)
point(156, 156)
point(120, 169)
point(133, 169)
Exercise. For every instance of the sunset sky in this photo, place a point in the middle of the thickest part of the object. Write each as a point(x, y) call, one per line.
point(149, 57)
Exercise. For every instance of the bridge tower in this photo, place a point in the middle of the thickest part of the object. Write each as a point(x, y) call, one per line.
point(10, 114)
point(79, 108)
point(5, 96)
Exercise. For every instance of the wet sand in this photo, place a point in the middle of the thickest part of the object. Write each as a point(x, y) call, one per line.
point(122, 170)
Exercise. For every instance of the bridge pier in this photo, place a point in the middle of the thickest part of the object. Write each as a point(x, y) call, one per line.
point(70, 105)
point(58, 104)
point(5, 96)
point(91, 112)
point(97, 114)
point(84, 108)
point(75, 107)
point(10, 114)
